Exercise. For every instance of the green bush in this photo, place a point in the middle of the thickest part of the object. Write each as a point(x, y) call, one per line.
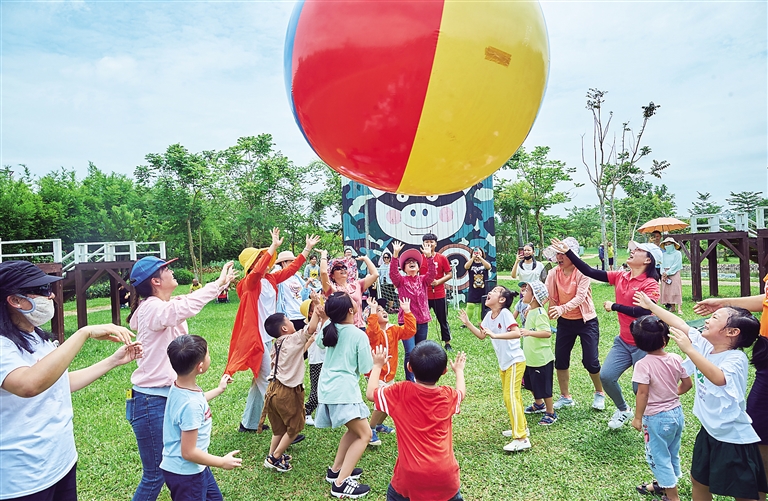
point(183, 276)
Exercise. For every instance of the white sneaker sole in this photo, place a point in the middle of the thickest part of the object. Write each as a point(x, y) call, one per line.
point(269, 465)
point(341, 495)
point(517, 446)
point(331, 480)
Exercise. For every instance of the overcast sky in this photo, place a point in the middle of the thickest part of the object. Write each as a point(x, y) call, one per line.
point(109, 82)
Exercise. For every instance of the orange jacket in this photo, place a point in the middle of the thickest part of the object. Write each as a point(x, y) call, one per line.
point(395, 333)
point(246, 346)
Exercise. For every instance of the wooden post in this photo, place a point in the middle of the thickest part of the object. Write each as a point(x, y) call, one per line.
point(80, 299)
point(114, 296)
point(712, 260)
point(744, 278)
point(57, 322)
point(695, 269)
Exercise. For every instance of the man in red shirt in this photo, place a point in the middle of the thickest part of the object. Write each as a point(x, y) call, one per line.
point(436, 291)
point(426, 468)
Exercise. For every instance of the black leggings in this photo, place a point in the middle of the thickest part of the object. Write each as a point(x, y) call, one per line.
point(314, 377)
point(567, 332)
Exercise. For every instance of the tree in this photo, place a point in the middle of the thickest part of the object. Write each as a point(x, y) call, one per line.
point(542, 175)
point(511, 203)
point(613, 163)
point(745, 201)
point(583, 224)
point(644, 201)
point(704, 205)
point(20, 207)
point(182, 180)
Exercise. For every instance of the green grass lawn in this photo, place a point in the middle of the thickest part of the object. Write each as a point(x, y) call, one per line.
point(577, 458)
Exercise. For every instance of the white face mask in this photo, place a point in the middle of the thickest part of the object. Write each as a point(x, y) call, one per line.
point(41, 312)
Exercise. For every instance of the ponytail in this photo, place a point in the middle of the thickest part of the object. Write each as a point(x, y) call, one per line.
point(337, 308)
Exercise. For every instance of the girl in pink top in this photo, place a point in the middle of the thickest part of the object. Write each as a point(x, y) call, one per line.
point(414, 287)
point(336, 277)
point(661, 379)
point(158, 320)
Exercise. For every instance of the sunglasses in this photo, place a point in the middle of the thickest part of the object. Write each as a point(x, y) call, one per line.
point(42, 290)
point(338, 267)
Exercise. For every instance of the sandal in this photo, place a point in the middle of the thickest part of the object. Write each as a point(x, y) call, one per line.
point(652, 488)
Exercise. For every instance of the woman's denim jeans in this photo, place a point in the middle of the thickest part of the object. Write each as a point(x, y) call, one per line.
point(409, 344)
point(146, 413)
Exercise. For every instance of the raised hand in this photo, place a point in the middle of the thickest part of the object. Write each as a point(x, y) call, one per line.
point(682, 339)
point(311, 240)
point(405, 305)
point(462, 316)
point(426, 250)
point(227, 274)
point(380, 356)
point(397, 246)
point(459, 362)
point(127, 353)
point(372, 303)
point(276, 240)
point(559, 246)
point(642, 300)
point(709, 306)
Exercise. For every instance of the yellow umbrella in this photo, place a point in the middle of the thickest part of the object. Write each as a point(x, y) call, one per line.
point(662, 224)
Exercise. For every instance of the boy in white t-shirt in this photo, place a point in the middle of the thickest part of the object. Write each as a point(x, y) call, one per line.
point(187, 425)
point(501, 327)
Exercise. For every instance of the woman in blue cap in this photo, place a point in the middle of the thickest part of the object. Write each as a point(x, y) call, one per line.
point(37, 444)
point(158, 320)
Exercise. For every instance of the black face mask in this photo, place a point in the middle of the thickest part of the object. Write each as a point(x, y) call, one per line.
point(528, 258)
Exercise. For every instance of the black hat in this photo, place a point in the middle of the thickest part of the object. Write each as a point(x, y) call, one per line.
point(23, 275)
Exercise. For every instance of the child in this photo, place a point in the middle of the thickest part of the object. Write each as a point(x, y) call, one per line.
point(414, 287)
point(661, 378)
point(426, 468)
point(381, 333)
point(316, 356)
point(501, 327)
point(187, 425)
point(478, 269)
point(347, 356)
point(284, 402)
point(726, 458)
point(539, 358)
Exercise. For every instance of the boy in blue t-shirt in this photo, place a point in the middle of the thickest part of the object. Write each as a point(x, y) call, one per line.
point(187, 425)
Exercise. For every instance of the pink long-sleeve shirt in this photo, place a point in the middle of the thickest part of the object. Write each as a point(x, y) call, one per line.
point(159, 322)
point(413, 288)
point(565, 300)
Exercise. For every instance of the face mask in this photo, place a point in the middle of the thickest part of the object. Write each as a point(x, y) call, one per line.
point(41, 312)
point(669, 247)
point(527, 258)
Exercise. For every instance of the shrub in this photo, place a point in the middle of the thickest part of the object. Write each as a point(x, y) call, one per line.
point(183, 276)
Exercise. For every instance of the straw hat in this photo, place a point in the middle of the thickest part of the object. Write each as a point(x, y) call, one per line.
point(670, 240)
point(250, 255)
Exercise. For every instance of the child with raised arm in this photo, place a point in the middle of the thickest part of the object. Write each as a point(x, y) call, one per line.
point(537, 347)
point(284, 402)
point(661, 379)
point(381, 333)
point(187, 425)
point(426, 468)
point(501, 327)
point(726, 458)
point(413, 286)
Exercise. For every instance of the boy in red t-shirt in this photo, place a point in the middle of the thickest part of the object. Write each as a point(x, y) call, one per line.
point(426, 468)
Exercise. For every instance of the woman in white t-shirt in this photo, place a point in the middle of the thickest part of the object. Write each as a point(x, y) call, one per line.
point(37, 444)
point(526, 268)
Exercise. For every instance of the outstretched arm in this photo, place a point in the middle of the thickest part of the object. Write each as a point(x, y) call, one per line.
point(580, 265)
point(643, 301)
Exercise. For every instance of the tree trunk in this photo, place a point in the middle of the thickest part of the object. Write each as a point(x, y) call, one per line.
point(200, 251)
point(191, 246)
point(541, 230)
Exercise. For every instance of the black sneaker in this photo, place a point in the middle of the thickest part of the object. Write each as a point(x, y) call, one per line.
point(448, 347)
point(243, 429)
point(331, 475)
point(298, 439)
point(349, 489)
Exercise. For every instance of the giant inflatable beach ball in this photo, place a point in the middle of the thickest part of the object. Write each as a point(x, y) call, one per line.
point(421, 97)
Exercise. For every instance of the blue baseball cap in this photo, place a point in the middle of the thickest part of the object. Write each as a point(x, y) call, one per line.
point(146, 267)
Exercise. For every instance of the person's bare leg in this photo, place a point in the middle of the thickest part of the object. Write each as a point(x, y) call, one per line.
point(359, 435)
point(377, 418)
point(283, 444)
point(548, 402)
point(563, 377)
point(595, 381)
point(671, 493)
point(700, 491)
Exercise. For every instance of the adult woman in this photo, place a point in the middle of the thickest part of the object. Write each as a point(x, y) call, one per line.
point(158, 320)
point(37, 444)
point(671, 284)
point(570, 303)
point(757, 400)
point(334, 277)
point(478, 269)
point(526, 268)
point(642, 276)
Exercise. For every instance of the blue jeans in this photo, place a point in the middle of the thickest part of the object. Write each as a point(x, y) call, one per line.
point(146, 413)
point(621, 357)
point(663, 433)
point(199, 487)
point(410, 344)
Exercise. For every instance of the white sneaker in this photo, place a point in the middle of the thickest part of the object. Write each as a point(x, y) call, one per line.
point(563, 401)
point(519, 444)
point(309, 421)
point(598, 403)
point(620, 417)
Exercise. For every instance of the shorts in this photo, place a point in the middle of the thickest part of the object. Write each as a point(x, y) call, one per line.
point(335, 415)
point(393, 495)
point(567, 332)
point(197, 487)
point(538, 380)
point(734, 470)
point(285, 408)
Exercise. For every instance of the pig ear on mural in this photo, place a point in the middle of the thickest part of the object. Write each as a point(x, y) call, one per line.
point(376, 193)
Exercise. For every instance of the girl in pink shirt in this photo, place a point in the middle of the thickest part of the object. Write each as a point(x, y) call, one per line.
point(158, 320)
point(661, 379)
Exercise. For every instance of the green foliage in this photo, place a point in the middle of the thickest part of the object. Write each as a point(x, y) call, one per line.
point(704, 205)
point(183, 276)
point(745, 201)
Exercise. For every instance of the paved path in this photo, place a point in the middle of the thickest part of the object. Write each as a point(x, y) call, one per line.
point(90, 310)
